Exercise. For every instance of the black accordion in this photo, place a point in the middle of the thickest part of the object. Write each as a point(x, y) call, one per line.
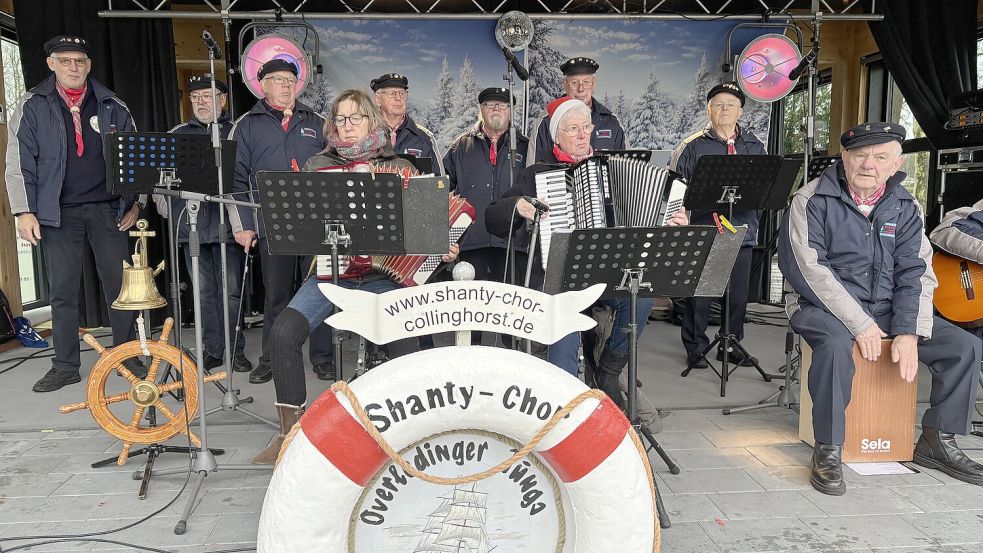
point(607, 191)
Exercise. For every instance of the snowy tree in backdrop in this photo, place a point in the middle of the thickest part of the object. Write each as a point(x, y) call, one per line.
point(694, 108)
point(440, 103)
point(319, 94)
point(545, 77)
point(464, 104)
point(654, 120)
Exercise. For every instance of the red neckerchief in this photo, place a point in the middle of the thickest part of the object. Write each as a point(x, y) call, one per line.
point(73, 98)
point(564, 157)
point(288, 112)
point(731, 150)
point(395, 130)
point(492, 149)
point(866, 206)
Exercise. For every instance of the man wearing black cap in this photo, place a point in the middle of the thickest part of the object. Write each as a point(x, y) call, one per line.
point(278, 134)
point(853, 247)
point(579, 80)
point(406, 135)
point(199, 90)
point(56, 184)
point(478, 167)
point(723, 135)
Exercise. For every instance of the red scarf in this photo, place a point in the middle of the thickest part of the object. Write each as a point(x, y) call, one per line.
point(73, 98)
point(867, 206)
point(287, 114)
point(731, 150)
point(564, 157)
point(393, 131)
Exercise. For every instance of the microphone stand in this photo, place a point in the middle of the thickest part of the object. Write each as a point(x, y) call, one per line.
point(510, 78)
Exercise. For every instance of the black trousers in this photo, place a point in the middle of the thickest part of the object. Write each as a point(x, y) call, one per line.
point(96, 224)
point(952, 355)
point(279, 285)
point(696, 312)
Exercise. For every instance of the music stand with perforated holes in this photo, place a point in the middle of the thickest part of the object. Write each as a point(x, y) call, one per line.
point(337, 213)
point(672, 260)
point(726, 183)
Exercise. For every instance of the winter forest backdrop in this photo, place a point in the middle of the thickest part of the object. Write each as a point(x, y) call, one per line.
point(653, 75)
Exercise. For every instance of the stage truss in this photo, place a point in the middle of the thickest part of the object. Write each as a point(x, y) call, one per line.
point(849, 10)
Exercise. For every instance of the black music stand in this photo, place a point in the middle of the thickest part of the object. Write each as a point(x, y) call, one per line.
point(672, 257)
point(352, 213)
point(752, 182)
point(136, 159)
point(818, 164)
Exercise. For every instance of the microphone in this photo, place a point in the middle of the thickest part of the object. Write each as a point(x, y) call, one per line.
point(540, 206)
point(211, 44)
point(520, 71)
point(794, 74)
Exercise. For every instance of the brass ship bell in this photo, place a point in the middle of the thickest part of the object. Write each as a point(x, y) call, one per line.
point(138, 291)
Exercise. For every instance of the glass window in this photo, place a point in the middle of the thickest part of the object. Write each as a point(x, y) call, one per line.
point(32, 288)
point(794, 110)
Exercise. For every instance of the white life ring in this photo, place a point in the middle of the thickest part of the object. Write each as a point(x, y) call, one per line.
point(605, 488)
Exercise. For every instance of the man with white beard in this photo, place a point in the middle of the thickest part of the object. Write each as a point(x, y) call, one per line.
point(477, 164)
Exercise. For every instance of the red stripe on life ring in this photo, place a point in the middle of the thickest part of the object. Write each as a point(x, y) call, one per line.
point(589, 444)
point(342, 439)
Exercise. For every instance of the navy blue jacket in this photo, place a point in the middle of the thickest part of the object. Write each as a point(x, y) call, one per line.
point(961, 232)
point(608, 134)
point(208, 217)
point(857, 268)
point(474, 177)
point(37, 148)
point(499, 219)
point(706, 142)
point(262, 145)
point(416, 140)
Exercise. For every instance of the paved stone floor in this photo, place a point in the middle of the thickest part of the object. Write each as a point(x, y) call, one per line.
point(743, 488)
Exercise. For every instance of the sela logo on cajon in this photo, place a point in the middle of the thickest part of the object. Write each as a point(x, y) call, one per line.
point(875, 446)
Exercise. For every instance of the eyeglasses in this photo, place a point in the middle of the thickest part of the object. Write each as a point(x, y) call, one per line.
point(495, 106)
point(282, 80)
point(586, 83)
point(355, 119)
point(207, 97)
point(575, 131)
point(722, 105)
point(393, 94)
point(66, 62)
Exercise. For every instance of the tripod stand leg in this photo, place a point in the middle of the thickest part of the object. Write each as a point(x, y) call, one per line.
point(702, 355)
point(112, 460)
point(737, 345)
point(182, 525)
point(673, 467)
point(148, 470)
point(660, 509)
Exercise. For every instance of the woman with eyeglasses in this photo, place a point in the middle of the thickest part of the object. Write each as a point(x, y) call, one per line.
point(358, 141)
point(570, 129)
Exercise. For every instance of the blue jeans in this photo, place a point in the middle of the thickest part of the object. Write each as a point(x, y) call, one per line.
point(563, 353)
point(210, 282)
point(315, 307)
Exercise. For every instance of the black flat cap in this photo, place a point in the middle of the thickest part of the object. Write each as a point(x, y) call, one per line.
point(64, 43)
point(495, 94)
point(389, 80)
point(203, 82)
point(274, 65)
point(579, 66)
point(729, 88)
point(869, 134)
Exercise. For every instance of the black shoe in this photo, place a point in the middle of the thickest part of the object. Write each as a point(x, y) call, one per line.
point(737, 358)
point(325, 371)
point(55, 379)
point(241, 364)
point(211, 361)
point(610, 366)
point(262, 373)
point(695, 362)
point(136, 366)
point(938, 450)
point(827, 469)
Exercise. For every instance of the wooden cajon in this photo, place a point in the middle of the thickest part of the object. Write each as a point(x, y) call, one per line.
point(880, 420)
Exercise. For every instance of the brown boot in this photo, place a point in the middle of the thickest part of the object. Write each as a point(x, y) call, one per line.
point(289, 415)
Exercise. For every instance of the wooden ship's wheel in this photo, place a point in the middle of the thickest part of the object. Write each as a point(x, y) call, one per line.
point(143, 393)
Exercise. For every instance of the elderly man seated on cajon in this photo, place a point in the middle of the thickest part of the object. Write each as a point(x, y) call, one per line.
point(853, 247)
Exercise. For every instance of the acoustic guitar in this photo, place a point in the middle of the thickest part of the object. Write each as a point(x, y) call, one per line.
point(959, 297)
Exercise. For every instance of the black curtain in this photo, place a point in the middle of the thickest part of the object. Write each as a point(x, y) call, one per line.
point(134, 58)
point(930, 50)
